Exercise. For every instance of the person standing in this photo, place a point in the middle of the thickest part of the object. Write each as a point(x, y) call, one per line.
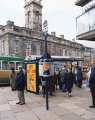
point(92, 86)
point(56, 80)
point(12, 79)
point(64, 77)
point(59, 80)
point(79, 77)
point(43, 81)
point(20, 86)
point(51, 85)
point(69, 82)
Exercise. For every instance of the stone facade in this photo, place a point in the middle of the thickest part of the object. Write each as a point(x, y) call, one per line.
point(16, 40)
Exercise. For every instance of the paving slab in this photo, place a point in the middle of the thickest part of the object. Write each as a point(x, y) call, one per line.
point(28, 115)
point(5, 107)
point(7, 115)
point(43, 114)
point(83, 113)
point(61, 107)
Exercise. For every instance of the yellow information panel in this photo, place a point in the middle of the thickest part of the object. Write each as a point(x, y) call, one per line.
point(31, 77)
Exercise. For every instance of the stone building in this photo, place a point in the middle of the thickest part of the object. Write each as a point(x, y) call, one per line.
point(29, 40)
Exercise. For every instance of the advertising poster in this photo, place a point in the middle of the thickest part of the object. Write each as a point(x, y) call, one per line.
point(46, 69)
point(31, 77)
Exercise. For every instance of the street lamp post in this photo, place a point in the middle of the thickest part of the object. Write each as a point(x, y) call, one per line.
point(45, 32)
point(46, 68)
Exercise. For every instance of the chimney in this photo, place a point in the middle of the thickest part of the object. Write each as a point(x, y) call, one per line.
point(53, 33)
point(62, 36)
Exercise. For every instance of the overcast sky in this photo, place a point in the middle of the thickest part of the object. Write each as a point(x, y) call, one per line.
point(60, 14)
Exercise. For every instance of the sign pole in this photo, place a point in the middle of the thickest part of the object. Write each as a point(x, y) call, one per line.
point(47, 105)
point(45, 63)
point(45, 30)
point(46, 35)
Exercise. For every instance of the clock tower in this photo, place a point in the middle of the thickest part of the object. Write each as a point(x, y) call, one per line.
point(33, 15)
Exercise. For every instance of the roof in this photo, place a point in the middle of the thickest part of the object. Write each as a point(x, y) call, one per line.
point(11, 58)
point(82, 2)
point(90, 36)
point(54, 58)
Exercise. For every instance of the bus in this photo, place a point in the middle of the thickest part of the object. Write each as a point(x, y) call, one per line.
point(6, 63)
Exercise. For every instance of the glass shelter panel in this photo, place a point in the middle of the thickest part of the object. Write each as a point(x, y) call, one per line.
point(92, 19)
point(86, 22)
point(82, 24)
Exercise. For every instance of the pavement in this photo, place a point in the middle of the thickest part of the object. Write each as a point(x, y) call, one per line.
point(61, 107)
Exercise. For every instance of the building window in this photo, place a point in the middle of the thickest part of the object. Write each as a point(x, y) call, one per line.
point(5, 65)
point(28, 13)
point(65, 52)
point(33, 49)
point(92, 19)
point(37, 16)
point(83, 24)
point(86, 22)
point(3, 46)
point(16, 42)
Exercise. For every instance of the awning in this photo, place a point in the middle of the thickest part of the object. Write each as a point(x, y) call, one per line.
point(81, 2)
point(87, 36)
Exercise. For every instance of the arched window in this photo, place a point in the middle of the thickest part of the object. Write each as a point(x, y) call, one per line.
point(33, 49)
point(28, 17)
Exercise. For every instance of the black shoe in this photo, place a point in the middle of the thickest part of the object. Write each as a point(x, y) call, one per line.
point(18, 103)
point(21, 103)
point(92, 106)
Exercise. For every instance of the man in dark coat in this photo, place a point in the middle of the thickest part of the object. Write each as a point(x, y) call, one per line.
point(92, 86)
point(69, 82)
point(20, 86)
point(43, 81)
point(79, 77)
point(64, 77)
